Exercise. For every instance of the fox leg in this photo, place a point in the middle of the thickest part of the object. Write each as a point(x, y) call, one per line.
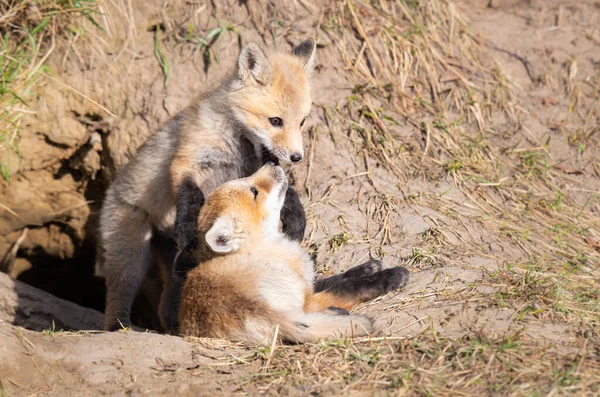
point(190, 200)
point(347, 292)
point(312, 327)
point(126, 234)
point(293, 216)
point(164, 250)
point(328, 301)
point(367, 268)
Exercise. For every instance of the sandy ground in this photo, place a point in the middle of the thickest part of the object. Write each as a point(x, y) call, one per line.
point(422, 216)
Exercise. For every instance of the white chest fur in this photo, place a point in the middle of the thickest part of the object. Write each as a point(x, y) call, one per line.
point(280, 284)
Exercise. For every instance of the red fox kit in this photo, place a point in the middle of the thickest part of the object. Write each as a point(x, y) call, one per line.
point(226, 134)
point(258, 277)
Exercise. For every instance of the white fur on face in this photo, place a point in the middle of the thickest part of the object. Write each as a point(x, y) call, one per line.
point(273, 205)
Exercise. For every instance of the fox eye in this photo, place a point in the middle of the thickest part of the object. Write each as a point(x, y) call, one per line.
point(276, 121)
point(302, 122)
point(254, 192)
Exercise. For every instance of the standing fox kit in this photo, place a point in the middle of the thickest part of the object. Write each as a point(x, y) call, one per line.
point(255, 116)
point(258, 277)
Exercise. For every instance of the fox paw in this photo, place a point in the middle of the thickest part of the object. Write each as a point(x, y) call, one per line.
point(366, 269)
point(379, 283)
point(116, 325)
point(394, 278)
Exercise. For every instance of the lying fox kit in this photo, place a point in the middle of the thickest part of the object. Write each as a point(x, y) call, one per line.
point(258, 277)
point(229, 133)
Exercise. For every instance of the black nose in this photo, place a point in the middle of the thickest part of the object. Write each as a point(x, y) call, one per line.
point(296, 157)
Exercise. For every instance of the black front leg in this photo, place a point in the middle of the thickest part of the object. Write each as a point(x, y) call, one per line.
point(365, 288)
point(189, 203)
point(332, 283)
point(293, 216)
point(364, 282)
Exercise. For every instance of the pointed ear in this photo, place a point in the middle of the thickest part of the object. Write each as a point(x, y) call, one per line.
point(254, 63)
point(306, 51)
point(220, 237)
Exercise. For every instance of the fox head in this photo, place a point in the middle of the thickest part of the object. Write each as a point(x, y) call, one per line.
point(271, 98)
point(244, 210)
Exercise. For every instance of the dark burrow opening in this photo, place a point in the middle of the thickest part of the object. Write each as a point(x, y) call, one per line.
point(74, 278)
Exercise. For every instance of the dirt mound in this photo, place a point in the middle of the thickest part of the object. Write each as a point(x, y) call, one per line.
point(457, 139)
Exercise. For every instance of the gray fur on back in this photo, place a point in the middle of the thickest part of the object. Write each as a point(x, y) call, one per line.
point(145, 182)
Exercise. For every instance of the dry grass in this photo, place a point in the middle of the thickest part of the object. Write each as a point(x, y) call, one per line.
point(416, 64)
point(428, 365)
point(430, 106)
point(417, 67)
point(29, 33)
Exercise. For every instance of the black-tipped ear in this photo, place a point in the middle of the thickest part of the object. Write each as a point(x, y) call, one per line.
point(254, 63)
point(306, 51)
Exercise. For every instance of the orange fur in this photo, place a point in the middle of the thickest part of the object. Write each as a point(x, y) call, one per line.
point(323, 300)
point(261, 278)
point(225, 134)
